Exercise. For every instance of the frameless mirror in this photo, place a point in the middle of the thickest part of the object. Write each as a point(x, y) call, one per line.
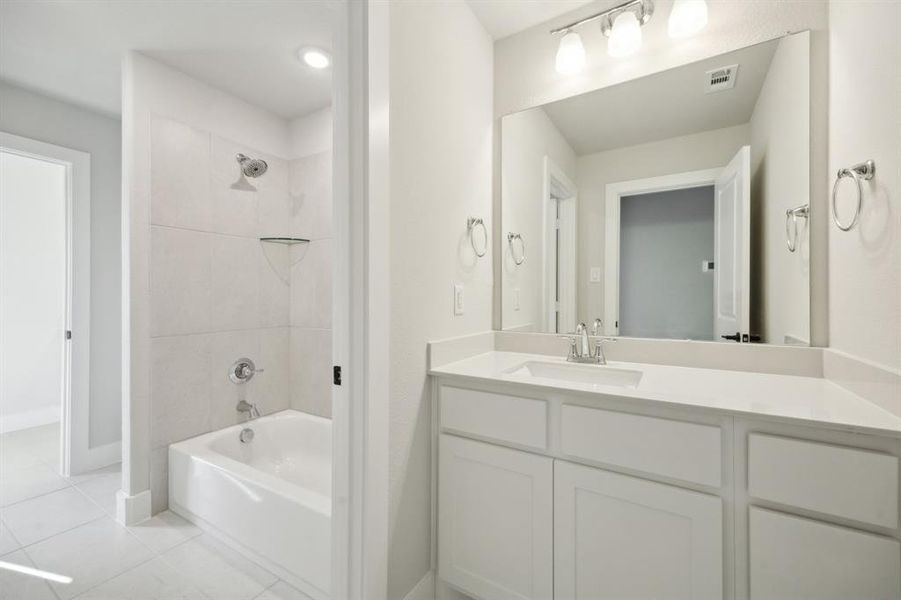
point(671, 206)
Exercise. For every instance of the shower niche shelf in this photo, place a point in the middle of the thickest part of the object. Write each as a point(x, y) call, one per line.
point(285, 241)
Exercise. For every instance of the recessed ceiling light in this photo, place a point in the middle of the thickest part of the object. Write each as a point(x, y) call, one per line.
point(315, 57)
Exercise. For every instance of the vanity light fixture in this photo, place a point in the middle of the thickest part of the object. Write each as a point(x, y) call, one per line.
point(315, 57)
point(688, 18)
point(570, 54)
point(622, 24)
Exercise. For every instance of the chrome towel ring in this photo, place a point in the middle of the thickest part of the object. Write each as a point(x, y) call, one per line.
point(791, 225)
point(471, 224)
point(860, 171)
point(512, 237)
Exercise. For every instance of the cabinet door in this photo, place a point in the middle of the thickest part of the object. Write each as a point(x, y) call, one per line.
point(793, 557)
point(495, 516)
point(622, 537)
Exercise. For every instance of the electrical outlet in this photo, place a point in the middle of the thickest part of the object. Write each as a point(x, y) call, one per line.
point(458, 299)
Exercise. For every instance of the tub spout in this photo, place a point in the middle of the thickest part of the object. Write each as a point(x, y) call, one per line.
point(250, 408)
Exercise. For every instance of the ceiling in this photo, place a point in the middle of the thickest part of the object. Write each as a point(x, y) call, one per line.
point(663, 105)
point(502, 18)
point(73, 50)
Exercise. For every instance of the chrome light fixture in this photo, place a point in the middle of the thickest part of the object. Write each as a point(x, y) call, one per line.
point(688, 17)
point(570, 54)
point(622, 24)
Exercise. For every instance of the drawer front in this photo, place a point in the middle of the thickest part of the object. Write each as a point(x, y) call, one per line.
point(686, 451)
point(793, 557)
point(521, 421)
point(845, 482)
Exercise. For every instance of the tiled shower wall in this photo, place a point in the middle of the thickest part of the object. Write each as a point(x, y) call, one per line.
point(217, 293)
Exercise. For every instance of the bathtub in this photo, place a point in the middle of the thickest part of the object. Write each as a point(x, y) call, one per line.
point(269, 499)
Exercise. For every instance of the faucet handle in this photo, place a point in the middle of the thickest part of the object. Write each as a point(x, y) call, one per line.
point(573, 344)
point(597, 328)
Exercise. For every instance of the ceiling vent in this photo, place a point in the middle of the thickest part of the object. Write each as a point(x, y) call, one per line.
point(721, 79)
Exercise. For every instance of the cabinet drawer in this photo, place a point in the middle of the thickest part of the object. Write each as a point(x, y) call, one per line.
point(505, 418)
point(845, 482)
point(686, 451)
point(793, 557)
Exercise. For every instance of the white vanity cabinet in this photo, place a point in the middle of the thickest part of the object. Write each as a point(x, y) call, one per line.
point(560, 495)
point(617, 536)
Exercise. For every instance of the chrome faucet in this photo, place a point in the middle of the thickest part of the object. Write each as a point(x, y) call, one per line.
point(250, 408)
point(580, 346)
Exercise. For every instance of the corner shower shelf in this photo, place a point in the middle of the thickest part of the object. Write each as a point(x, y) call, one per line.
point(287, 241)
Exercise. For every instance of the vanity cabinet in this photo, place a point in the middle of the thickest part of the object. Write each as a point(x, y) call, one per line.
point(556, 495)
point(617, 536)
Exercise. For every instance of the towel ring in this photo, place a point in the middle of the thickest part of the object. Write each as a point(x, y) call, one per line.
point(511, 237)
point(791, 225)
point(472, 223)
point(861, 171)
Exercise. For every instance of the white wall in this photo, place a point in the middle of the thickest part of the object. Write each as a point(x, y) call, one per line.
point(440, 173)
point(32, 290)
point(37, 117)
point(528, 137)
point(694, 152)
point(865, 123)
point(780, 151)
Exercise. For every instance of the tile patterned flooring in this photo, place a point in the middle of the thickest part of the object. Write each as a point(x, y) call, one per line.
point(67, 526)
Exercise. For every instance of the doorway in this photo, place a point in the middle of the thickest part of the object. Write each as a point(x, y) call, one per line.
point(44, 309)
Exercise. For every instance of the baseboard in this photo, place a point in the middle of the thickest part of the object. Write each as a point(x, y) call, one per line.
point(98, 457)
point(131, 510)
point(29, 419)
point(424, 590)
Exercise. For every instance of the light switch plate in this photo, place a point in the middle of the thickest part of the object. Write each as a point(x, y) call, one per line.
point(594, 275)
point(458, 299)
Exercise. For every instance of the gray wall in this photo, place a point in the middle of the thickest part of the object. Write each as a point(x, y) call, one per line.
point(41, 118)
point(664, 237)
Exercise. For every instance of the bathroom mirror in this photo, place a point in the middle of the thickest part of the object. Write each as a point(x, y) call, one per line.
point(670, 206)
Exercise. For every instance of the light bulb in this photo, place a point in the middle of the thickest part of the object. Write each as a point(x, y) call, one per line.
point(688, 17)
point(625, 37)
point(314, 57)
point(570, 54)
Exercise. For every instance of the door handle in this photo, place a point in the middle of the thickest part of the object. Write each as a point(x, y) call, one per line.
point(734, 338)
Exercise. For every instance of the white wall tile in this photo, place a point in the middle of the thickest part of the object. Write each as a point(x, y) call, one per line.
point(179, 388)
point(235, 211)
point(311, 196)
point(274, 200)
point(227, 347)
point(159, 480)
point(275, 284)
point(271, 389)
point(180, 281)
point(311, 286)
point(311, 371)
point(235, 283)
point(179, 175)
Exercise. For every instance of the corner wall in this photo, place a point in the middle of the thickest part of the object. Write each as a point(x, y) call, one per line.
point(440, 173)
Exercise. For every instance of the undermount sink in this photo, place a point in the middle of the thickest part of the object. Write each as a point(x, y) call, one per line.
point(579, 373)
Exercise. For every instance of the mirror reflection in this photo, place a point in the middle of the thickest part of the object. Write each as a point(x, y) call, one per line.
point(671, 206)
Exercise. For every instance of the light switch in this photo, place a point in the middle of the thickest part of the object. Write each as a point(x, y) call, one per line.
point(594, 275)
point(458, 298)
point(516, 299)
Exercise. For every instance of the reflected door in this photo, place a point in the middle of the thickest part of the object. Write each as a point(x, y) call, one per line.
point(732, 253)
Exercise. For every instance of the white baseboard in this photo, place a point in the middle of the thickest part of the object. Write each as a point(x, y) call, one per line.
point(29, 419)
point(131, 510)
point(424, 590)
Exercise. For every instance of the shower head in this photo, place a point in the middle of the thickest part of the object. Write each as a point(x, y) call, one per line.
point(251, 167)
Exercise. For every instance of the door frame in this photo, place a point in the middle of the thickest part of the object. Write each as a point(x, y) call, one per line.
point(556, 183)
point(76, 455)
point(613, 197)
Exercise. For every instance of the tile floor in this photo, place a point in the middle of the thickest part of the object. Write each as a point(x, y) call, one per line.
point(67, 526)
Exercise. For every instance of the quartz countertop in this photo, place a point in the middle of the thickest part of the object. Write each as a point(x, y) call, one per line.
point(809, 400)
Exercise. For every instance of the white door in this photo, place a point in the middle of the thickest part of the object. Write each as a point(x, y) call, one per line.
point(623, 537)
point(495, 515)
point(732, 248)
point(792, 557)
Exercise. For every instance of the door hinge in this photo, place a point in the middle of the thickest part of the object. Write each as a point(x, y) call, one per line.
point(336, 375)
point(68, 334)
point(556, 223)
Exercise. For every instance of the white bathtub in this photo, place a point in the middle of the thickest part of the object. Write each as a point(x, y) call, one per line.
point(270, 498)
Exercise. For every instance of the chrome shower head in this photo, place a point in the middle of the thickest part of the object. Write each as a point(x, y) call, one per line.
point(251, 167)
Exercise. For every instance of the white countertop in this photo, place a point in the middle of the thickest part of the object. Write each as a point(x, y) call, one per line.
point(763, 395)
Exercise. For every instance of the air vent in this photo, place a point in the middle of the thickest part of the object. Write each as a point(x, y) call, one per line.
point(721, 79)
